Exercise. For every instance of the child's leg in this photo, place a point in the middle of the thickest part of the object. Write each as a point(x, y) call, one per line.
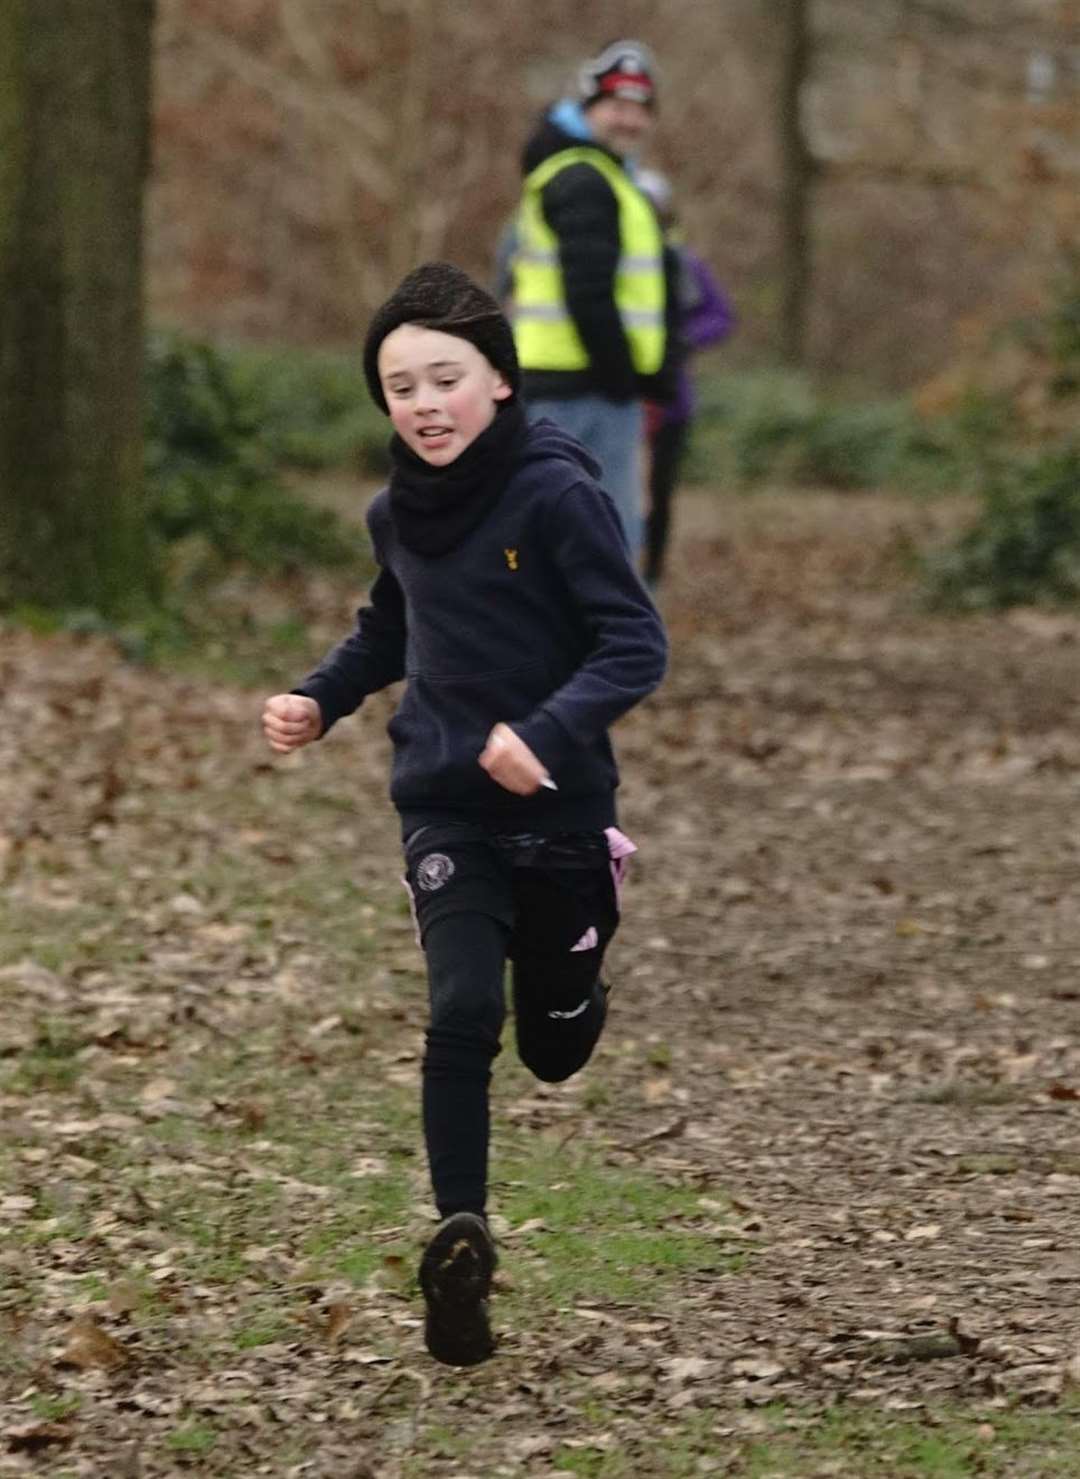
point(668, 448)
point(461, 893)
point(566, 917)
point(466, 957)
point(464, 907)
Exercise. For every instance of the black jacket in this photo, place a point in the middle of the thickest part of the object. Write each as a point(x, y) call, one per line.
point(535, 619)
point(580, 207)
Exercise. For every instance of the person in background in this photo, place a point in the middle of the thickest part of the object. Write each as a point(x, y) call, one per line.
point(703, 316)
point(587, 283)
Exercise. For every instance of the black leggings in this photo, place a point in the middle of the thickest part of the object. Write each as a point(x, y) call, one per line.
point(667, 448)
point(481, 901)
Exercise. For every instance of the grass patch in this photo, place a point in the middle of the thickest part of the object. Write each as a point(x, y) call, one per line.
point(263, 1333)
point(42, 1070)
point(968, 1094)
point(990, 1163)
point(193, 1438)
point(306, 890)
point(48, 936)
point(946, 1445)
point(609, 1233)
point(55, 1409)
point(593, 1463)
point(855, 1443)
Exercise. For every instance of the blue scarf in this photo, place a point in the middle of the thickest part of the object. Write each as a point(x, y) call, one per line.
point(573, 120)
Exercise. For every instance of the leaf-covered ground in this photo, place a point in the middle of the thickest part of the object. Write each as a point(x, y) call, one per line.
point(810, 1211)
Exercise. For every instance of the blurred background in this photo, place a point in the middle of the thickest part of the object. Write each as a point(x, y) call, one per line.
point(207, 198)
point(308, 152)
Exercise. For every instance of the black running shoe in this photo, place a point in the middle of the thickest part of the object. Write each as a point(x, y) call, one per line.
point(455, 1275)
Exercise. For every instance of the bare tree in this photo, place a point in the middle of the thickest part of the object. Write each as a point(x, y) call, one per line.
point(74, 128)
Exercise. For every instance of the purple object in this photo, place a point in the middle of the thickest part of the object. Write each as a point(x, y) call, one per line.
point(706, 318)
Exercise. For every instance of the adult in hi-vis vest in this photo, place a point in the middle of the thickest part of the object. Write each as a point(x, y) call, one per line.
point(588, 289)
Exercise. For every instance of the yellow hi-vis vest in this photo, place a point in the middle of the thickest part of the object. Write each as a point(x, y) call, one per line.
point(544, 333)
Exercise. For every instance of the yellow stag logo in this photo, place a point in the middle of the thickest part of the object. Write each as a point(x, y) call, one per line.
point(511, 558)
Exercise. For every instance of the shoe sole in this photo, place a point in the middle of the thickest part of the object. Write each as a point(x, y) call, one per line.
point(455, 1276)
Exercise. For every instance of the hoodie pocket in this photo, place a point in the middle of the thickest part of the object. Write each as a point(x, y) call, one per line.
point(442, 724)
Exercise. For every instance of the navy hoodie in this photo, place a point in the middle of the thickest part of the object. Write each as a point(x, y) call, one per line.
point(535, 619)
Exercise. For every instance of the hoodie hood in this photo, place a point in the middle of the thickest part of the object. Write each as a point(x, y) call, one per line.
point(544, 439)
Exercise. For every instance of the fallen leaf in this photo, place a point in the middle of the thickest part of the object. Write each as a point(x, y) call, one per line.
point(665, 1132)
point(758, 1368)
point(29, 1437)
point(13, 1205)
point(158, 1088)
point(89, 1346)
point(251, 1116)
point(1035, 1383)
point(923, 1232)
point(339, 1318)
point(1063, 1091)
point(124, 1296)
point(686, 1368)
point(533, 1446)
point(533, 1224)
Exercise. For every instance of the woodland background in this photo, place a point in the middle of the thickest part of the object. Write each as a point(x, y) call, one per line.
point(812, 1210)
point(308, 152)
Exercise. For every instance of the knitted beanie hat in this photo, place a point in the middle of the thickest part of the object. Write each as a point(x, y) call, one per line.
point(440, 296)
point(625, 69)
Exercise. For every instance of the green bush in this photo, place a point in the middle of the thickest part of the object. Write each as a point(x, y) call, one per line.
point(212, 466)
point(850, 447)
point(1024, 546)
point(755, 427)
point(1052, 338)
point(315, 410)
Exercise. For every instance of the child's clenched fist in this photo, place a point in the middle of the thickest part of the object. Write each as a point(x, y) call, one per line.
point(289, 720)
point(507, 759)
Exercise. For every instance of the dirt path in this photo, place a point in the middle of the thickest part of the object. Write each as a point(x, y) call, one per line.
point(866, 952)
point(847, 985)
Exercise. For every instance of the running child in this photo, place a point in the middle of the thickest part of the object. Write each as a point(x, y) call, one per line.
point(506, 600)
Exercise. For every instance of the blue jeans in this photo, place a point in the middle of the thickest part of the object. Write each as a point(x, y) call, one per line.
point(612, 431)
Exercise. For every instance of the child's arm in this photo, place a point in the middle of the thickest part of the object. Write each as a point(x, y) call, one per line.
point(371, 657)
point(627, 654)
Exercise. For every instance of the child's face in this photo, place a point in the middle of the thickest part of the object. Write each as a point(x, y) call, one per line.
point(440, 390)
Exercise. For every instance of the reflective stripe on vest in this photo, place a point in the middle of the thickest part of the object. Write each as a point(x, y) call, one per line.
point(544, 333)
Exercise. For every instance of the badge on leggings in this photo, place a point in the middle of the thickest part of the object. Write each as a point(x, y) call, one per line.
point(433, 871)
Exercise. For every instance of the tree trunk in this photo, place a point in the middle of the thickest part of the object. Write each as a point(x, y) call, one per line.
point(74, 133)
point(796, 178)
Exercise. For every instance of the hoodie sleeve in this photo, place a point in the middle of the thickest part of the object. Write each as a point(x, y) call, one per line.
point(627, 655)
point(580, 207)
point(370, 657)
